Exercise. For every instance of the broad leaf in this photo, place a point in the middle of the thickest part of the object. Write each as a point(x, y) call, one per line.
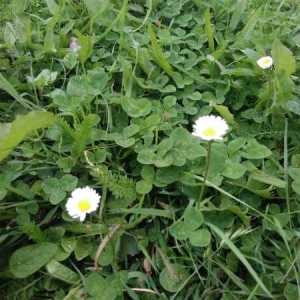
point(21, 127)
point(283, 58)
point(27, 260)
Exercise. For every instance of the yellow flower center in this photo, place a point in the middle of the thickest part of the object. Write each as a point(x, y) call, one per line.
point(265, 61)
point(209, 132)
point(84, 205)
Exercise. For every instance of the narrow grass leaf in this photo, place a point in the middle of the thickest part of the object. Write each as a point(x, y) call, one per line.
point(241, 257)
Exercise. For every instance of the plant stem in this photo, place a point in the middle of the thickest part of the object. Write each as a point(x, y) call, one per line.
point(205, 172)
point(285, 166)
point(102, 203)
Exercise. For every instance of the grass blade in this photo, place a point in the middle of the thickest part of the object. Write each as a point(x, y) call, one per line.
point(241, 257)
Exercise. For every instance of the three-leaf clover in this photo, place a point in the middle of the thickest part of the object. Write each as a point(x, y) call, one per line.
point(57, 189)
point(189, 228)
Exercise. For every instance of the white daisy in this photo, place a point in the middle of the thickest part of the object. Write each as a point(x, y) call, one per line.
point(265, 62)
point(210, 128)
point(82, 202)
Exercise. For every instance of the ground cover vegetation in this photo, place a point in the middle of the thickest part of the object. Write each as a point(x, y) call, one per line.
point(109, 187)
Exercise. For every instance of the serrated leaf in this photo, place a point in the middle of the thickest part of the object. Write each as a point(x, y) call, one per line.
point(158, 54)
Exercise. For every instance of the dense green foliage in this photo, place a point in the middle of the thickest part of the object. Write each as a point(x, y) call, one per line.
point(117, 115)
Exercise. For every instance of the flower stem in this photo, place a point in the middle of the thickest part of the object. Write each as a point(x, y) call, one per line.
point(286, 176)
point(102, 203)
point(205, 172)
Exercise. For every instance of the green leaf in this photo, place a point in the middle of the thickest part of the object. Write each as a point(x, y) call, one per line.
point(21, 127)
point(168, 175)
point(123, 141)
point(283, 58)
point(89, 229)
point(70, 60)
point(219, 157)
point(186, 144)
point(108, 288)
point(268, 179)
point(95, 284)
point(234, 170)
point(52, 6)
point(291, 292)
point(45, 78)
point(294, 173)
point(255, 150)
point(68, 182)
point(237, 15)
point(200, 238)
point(136, 107)
point(49, 39)
point(83, 248)
point(236, 145)
point(61, 272)
point(143, 187)
point(52, 187)
point(146, 156)
point(86, 46)
point(225, 113)
point(29, 259)
point(293, 106)
point(180, 231)
point(148, 173)
point(145, 212)
point(158, 54)
point(83, 134)
point(209, 30)
point(296, 186)
point(193, 218)
point(172, 280)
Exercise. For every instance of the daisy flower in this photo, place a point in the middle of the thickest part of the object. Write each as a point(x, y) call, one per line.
point(210, 128)
point(265, 62)
point(82, 202)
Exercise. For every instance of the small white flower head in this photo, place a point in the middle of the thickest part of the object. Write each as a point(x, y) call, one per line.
point(210, 128)
point(265, 62)
point(82, 202)
point(74, 44)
